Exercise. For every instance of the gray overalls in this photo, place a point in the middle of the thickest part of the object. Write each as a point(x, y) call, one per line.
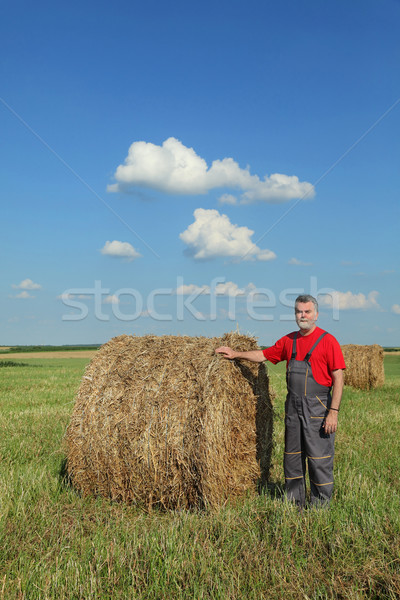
point(306, 407)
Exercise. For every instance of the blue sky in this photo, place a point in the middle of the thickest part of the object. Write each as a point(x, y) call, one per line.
point(190, 167)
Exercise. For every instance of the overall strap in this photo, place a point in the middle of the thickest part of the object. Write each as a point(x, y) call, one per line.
point(308, 355)
point(294, 347)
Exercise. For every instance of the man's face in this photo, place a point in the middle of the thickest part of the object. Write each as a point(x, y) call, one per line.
point(306, 315)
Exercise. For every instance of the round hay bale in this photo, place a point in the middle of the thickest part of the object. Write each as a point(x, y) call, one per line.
point(364, 366)
point(164, 421)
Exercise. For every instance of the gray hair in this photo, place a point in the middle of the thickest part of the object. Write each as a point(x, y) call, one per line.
point(306, 298)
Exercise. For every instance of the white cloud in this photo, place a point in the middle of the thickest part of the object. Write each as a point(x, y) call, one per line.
point(228, 199)
point(213, 235)
point(265, 255)
point(396, 309)
point(299, 263)
point(27, 284)
point(120, 249)
point(23, 295)
point(228, 288)
point(67, 296)
point(348, 300)
point(176, 169)
point(192, 288)
point(111, 299)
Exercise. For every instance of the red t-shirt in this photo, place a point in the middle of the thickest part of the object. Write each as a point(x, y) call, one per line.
point(326, 357)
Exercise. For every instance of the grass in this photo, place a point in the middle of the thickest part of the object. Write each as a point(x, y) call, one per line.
point(17, 349)
point(54, 544)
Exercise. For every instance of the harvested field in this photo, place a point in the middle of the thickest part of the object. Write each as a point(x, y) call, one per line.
point(164, 421)
point(61, 354)
point(364, 366)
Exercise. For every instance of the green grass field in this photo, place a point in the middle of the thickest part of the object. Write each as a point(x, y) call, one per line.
point(20, 349)
point(54, 544)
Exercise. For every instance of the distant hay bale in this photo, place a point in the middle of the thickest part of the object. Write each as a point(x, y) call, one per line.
point(164, 421)
point(364, 366)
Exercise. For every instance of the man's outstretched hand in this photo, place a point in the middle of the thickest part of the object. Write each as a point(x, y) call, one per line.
point(251, 355)
point(226, 352)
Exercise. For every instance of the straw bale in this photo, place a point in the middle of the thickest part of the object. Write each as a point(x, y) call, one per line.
point(164, 421)
point(364, 366)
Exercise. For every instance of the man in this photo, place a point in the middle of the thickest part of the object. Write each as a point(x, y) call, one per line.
point(314, 378)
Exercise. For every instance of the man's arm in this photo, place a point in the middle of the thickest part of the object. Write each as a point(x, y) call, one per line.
point(331, 420)
point(251, 355)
